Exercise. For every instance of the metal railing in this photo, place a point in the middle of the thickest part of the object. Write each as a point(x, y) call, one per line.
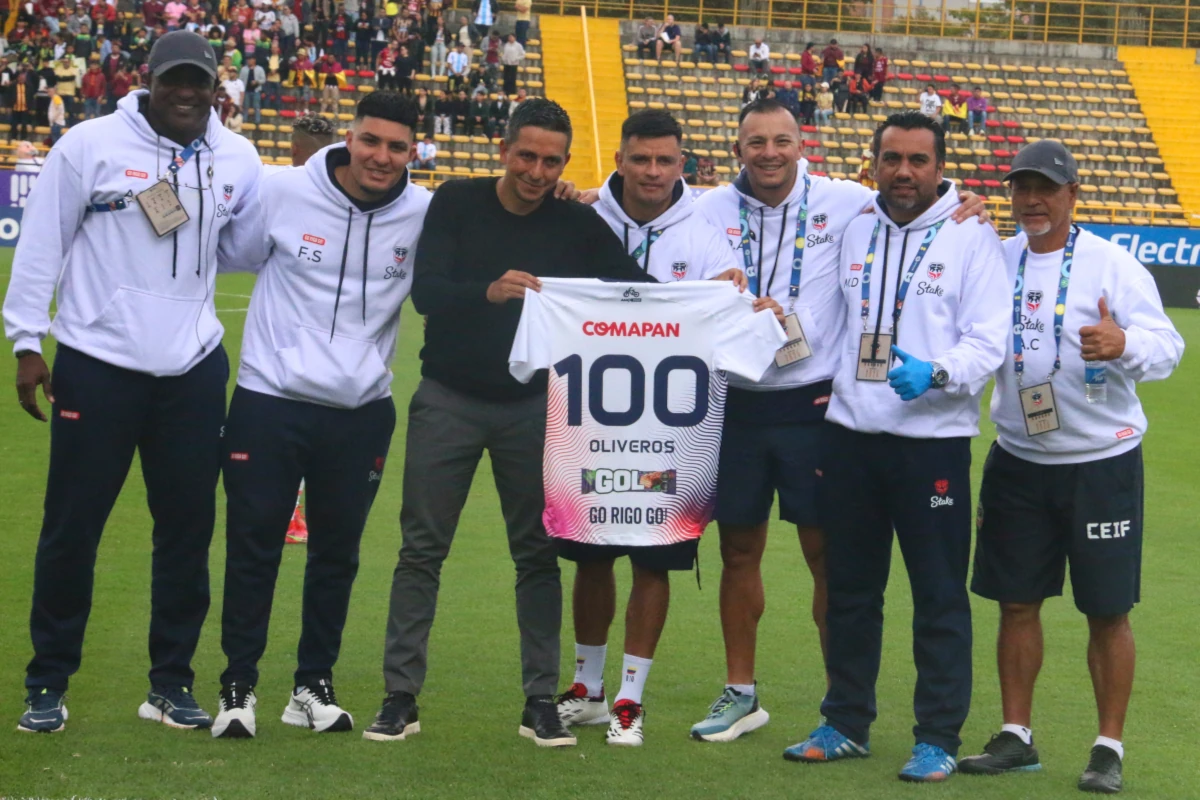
point(591, 86)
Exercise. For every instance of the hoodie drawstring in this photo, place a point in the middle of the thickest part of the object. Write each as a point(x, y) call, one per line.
point(200, 236)
point(625, 238)
point(337, 300)
point(174, 233)
point(366, 250)
point(762, 233)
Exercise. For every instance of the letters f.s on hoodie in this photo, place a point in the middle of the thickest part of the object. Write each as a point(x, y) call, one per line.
point(125, 295)
point(325, 310)
point(957, 312)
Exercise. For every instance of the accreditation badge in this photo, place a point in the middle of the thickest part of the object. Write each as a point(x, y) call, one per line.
point(797, 348)
point(874, 357)
point(162, 208)
point(1039, 409)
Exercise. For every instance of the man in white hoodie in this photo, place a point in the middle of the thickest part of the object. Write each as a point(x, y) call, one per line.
point(648, 206)
point(785, 226)
point(1063, 481)
point(313, 398)
point(126, 227)
point(925, 309)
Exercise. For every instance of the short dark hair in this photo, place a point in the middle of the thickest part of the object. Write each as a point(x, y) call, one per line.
point(315, 127)
point(390, 106)
point(651, 123)
point(539, 112)
point(911, 121)
point(765, 105)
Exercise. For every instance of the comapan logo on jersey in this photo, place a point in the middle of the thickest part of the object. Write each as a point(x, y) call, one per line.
point(651, 329)
point(819, 222)
point(608, 481)
point(679, 269)
point(936, 270)
point(399, 254)
point(1033, 301)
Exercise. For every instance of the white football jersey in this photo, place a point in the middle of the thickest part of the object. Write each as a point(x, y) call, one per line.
point(636, 400)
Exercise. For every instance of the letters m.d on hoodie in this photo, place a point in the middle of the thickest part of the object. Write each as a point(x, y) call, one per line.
point(126, 296)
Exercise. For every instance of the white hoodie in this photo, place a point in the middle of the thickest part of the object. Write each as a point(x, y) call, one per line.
point(958, 312)
point(126, 296)
point(1152, 350)
point(679, 245)
point(833, 205)
point(325, 310)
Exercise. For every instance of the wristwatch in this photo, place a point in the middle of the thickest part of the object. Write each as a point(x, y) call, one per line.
point(940, 376)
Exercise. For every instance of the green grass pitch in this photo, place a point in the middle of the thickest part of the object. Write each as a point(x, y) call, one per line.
point(470, 708)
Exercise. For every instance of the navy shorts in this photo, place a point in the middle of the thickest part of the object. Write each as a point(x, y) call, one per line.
point(656, 558)
point(759, 460)
point(1034, 519)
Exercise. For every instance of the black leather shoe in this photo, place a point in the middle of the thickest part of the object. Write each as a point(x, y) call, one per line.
point(1103, 773)
point(540, 722)
point(396, 720)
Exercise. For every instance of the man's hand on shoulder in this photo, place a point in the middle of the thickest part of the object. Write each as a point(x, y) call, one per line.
point(511, 286)
point(972, 206)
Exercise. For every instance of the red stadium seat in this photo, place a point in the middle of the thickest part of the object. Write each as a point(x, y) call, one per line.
point(288, 113)
point(941, 78)
point(1015, 139)
point(992, 183)
point(741, 67)
point(993, 123)
point(779, 84)
point(904, 76)
point(972, 183)
point(923, 78)
point(815, 160)
point(818, 174)
point(811, 143)
point(778, 70)
point(809, 128)
point(795, 71)
point(996, 139)
point(1002, 153)
point(287, 99)
point(1011, 124)
point(1005, 167)
point(366, 73)
point(987, 167)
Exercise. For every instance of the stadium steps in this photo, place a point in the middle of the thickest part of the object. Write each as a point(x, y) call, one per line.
point(1167, 82)
point(566, 84)
point(608, 72)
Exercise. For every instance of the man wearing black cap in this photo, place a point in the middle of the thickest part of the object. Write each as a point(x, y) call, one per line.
point(1063, 482)
point(129, 221)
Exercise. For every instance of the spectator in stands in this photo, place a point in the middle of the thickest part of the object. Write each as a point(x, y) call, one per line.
point(437, 49)
point(66, 72)
point(304, 75)
point(669, 35)
point(329, 72)
point(808, 105)
point(56, 115)
point(424, 111)
point(977, 111)
point(485, 16)
point(931, 102)
point(339, 30)
point(722, 42)
point(28, 160)
point(222, 104)
point(232, 53)
point(511, 58)
point(860, 92)
point(94, 90)
point(760, 56)
point(406, 70)
point(491, 56)
point(235, 87)
point(459, 63)
point(841, 93)
point(443, 110)
point(690, 165)
point(752, 93)
point(703, 46)
point(706, 172)
point(363, 30)
point(234, 119)
point(808, 66)
point(788, 98)
point(426, 155)
point(385, 68)
point(252, 77)
point(477, 114)
point(250, 36)
point(497, 117)
point(458, 110)
point(273, 85)
point(467, 35)
point(880, 75)
point(864, 62)
point(647, 35)
point(478, 80)
point(289, 29)
point(954, 110)
point(831, 61)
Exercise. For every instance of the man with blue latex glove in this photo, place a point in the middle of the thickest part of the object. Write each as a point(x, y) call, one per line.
point(912, 378)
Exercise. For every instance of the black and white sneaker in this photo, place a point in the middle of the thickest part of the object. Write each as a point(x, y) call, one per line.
point(235, 714)
point(175, 707)
point(1004, 753)
point(316, 707)
point(45, 711)
point(396, 721)
point(540, 722)
point(1103, 773)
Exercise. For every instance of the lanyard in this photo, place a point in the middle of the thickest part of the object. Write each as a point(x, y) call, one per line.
point(798, 253)
point(902, 289)
point(1060, 309)
point(651, 238)
point(184, 154)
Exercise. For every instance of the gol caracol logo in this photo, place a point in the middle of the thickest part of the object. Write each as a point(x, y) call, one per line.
point(608, 481)
point(308, 237)
point(819, 222)
point(644, 329)
point(1033, 301)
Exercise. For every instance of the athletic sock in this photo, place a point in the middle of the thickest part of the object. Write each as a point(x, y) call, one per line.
point(742, 688)
point(634, 672)
point(589, 667)
point(1025, 734)
point(1112, 744)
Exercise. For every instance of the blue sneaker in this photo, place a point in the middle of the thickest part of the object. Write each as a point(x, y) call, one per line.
point(45, 712)
point(730, 716)
point(175, 707)
point(826, 744)
point(929, 764)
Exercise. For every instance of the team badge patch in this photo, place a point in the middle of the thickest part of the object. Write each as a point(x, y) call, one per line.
point(936, 270)
point(820, 221)
point(679, 269)
point(1033, 300)
point(941, 486)
point(227, 189)
point(399, 254)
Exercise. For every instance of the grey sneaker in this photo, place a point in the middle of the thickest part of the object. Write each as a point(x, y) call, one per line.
point(730, 716)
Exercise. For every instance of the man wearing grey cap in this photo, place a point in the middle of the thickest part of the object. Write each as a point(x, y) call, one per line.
point(1063, 482)
point(129, 221)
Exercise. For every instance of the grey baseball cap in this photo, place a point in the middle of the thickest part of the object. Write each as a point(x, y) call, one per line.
point(1048, 158)
point(182, 48)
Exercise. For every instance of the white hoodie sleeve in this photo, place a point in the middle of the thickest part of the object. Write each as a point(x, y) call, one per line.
point(53, 213)
point(244, 244)
point(1153, 347)
point(984, 319)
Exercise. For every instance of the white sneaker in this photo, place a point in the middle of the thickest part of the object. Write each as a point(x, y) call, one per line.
point(316, 707)
point(235, 717)
point(575, 707)
point(625, 725)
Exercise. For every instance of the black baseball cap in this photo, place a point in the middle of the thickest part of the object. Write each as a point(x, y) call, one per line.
point(182, 48)
point(1048, 158)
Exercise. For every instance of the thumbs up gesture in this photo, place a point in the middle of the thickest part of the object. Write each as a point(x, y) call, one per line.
point(1103, 342)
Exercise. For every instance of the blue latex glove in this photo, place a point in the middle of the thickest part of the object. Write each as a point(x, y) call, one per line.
point(912, 378)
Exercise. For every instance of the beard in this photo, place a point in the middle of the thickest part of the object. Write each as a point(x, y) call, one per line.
point(1037, 229)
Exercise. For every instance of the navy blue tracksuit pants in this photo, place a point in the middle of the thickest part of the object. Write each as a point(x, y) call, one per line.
point(101, 415)
point(920, 487)
point(270, 444)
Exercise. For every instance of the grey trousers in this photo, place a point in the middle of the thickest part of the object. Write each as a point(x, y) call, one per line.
point(447, 434)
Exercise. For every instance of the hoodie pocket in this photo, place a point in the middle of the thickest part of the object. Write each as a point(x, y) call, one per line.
point(159, 334)
point(344, 372)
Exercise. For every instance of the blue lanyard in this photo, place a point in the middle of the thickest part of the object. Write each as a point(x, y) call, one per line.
point(176, 164)
point(1060, 308)
point(651, 238)
point(797, 254)
point(902, 289)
